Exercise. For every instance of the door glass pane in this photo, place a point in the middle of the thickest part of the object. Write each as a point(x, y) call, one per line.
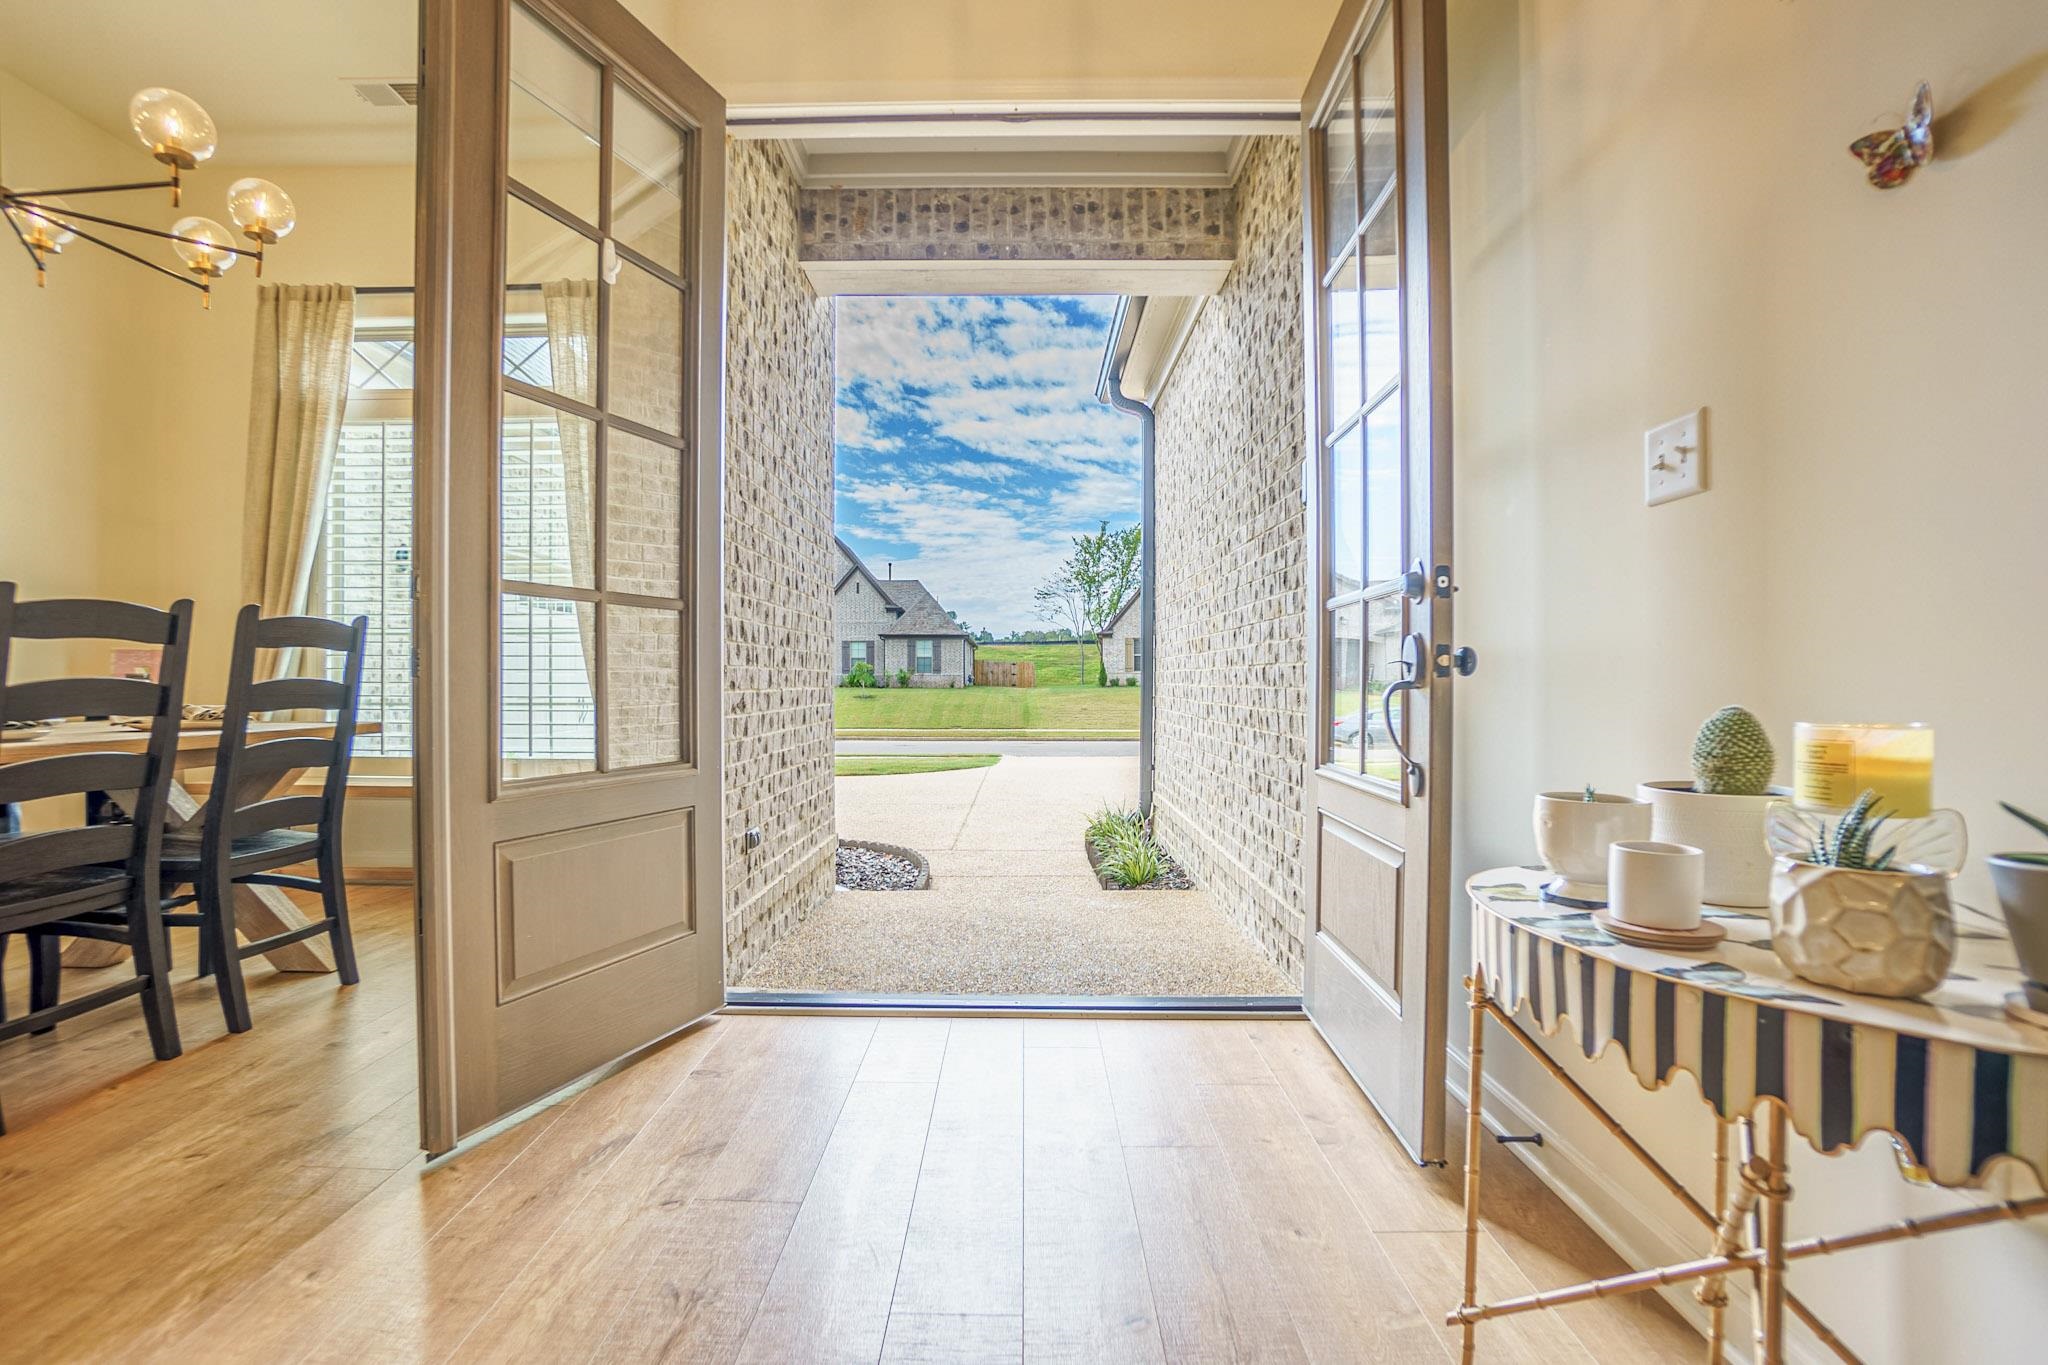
point(1376, 115)
point(1382, 293)
point(1347, 513)
point(546, 495)
point(1383, 666)
point(547, 714)
point(643, 516)
point(1340, 171)
point(643, 687)
point(1347, 699)
point(1385, 510)
point(1346, 360)
point(553, 122)
point(645, 351)
point(550, 301)
point(647, 181)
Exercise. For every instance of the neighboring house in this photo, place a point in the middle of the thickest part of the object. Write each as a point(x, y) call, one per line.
point(897, 626)
point(1123, 643)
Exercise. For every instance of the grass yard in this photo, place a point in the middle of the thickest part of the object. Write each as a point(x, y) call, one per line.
point(891, 765)
point(1060, 707)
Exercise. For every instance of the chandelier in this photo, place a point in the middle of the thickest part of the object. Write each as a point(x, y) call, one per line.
point(178, 133)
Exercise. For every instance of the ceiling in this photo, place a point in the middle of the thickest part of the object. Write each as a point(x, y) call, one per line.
point(271, 74)
point(1137, 92)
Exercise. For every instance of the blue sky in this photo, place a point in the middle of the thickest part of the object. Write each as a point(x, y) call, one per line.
point(971, 447)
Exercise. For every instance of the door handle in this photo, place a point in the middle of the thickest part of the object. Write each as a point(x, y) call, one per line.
point(1411, 771)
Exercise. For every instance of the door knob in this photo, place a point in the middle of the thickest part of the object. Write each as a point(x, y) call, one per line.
point(1464, 661)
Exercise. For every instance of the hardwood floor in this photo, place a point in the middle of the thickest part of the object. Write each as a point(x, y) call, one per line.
point(760, 1189)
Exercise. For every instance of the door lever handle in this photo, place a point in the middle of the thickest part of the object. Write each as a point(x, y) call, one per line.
point(1411, 771)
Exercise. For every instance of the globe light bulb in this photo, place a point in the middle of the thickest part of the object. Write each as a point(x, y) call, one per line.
point(208, 253)
point(41, 225)
point(261, 210)
point(173, 126)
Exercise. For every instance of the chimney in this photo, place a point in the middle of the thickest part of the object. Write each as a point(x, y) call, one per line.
point(889, 570)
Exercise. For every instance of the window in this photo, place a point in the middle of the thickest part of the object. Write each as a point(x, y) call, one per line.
point(365, 558)
point(857, 651)
point(1135, 654)
point(927, 660)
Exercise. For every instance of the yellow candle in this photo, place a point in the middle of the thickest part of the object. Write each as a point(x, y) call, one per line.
point(1833, 764)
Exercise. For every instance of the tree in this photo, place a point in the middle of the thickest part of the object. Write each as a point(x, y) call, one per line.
point(1095, 580)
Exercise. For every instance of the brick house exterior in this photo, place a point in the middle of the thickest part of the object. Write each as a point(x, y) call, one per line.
point(897, 626)
point(1123, 643)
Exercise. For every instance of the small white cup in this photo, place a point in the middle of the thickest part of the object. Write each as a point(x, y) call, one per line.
point(1654, 884)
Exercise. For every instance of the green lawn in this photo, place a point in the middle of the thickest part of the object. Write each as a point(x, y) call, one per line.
point(1058, 665)
point(890, 765)
point(1057, 708)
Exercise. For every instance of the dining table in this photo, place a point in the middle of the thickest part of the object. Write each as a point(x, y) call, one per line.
point(260, 911)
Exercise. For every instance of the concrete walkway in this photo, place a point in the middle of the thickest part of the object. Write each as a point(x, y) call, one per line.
point(1013, 907)
point(1022, 748)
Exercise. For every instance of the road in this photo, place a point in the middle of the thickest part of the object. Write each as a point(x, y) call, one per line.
point(1021, 748)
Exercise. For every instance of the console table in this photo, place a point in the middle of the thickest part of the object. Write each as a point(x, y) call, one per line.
point(1956, 1082)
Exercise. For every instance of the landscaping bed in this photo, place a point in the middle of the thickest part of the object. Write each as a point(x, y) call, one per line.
point(1124, 856)
point(861, 865)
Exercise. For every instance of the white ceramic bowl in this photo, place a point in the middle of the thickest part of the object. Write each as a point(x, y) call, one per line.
point(1572, 835)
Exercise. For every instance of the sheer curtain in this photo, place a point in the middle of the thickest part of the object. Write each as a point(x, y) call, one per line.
point(571, 307)
point(297, 398)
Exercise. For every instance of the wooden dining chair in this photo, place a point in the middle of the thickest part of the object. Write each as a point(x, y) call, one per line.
point(94, 880)
point(254, 824)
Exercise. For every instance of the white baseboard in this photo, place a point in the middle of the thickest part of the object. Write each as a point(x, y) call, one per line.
point(1636, 1233)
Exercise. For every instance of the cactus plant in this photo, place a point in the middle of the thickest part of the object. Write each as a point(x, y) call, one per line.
point(1849, 843)
point(1732, 755)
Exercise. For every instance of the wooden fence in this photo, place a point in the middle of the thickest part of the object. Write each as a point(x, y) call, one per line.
point(1005, 673)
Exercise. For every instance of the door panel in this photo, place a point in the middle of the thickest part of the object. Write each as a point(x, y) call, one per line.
point(570, 358)
point(1378, 477)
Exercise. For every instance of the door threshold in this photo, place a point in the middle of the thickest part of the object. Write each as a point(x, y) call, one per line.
point(740, 1000)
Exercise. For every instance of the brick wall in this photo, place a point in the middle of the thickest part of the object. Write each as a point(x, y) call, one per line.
point(1116, 647)
point(860, 614)
point(1230, 672)
point(779, 561)
point(1034, 223)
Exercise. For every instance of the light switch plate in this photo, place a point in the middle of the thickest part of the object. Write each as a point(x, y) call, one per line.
point(1674, 460)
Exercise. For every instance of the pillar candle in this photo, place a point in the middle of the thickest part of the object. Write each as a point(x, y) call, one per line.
point(1833, 764)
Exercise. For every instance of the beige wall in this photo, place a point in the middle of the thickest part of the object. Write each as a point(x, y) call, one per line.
point(1653, 210)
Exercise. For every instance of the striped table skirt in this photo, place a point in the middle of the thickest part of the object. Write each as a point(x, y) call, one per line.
point(1952, 1076)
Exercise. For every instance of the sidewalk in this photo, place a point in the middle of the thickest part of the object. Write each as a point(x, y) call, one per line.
point(1013, 907)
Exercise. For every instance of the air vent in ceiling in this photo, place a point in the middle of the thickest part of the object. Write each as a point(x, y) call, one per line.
point(387, 94)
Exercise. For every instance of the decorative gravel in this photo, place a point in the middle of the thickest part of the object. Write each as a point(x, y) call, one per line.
point(864, 869)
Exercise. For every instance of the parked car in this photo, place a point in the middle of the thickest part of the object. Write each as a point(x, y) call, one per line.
point(1347, 730)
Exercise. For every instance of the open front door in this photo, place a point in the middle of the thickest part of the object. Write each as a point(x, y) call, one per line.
point(1376, 849)
point(571, 267)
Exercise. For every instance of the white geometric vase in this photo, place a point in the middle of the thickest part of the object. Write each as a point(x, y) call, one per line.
point(1880, 933)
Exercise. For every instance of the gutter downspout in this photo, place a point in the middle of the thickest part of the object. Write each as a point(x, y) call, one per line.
point(1109, 388)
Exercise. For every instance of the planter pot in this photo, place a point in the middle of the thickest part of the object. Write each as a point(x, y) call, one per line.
point(1880, 933)
point(1572, 836)
point(2023, 895)
point(1728, 829)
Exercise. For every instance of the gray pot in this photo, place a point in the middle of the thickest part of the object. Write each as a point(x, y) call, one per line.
point(2023, 895)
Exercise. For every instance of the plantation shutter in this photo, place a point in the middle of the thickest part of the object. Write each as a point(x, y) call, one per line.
point(1130, 654)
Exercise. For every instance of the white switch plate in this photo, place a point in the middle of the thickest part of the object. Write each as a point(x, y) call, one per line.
point(1674, 460)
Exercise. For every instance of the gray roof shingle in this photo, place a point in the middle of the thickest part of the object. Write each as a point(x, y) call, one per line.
point(922, 614)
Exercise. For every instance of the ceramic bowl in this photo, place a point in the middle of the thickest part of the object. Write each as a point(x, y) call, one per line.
point(1573, 834)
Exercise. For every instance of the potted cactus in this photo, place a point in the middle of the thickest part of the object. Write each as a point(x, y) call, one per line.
point(1848, 908)
point(2022, 882)
point(1721, 810)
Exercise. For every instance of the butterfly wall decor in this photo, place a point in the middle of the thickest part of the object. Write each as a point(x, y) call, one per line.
point(1894, 154)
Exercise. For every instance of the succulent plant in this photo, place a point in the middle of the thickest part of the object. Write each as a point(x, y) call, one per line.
point(2034, 822)
point(1589, 796)
point(1849, 843)
point(1732, 755)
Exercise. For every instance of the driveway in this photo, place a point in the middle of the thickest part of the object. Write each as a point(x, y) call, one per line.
point(1013, 907)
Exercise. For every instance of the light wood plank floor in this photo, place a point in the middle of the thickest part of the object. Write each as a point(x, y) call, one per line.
point(760, 1189)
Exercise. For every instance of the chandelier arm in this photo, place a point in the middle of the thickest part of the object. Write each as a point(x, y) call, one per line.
point(85, 236)
point(93, 189)
point(50, 215)
point(22, 237)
